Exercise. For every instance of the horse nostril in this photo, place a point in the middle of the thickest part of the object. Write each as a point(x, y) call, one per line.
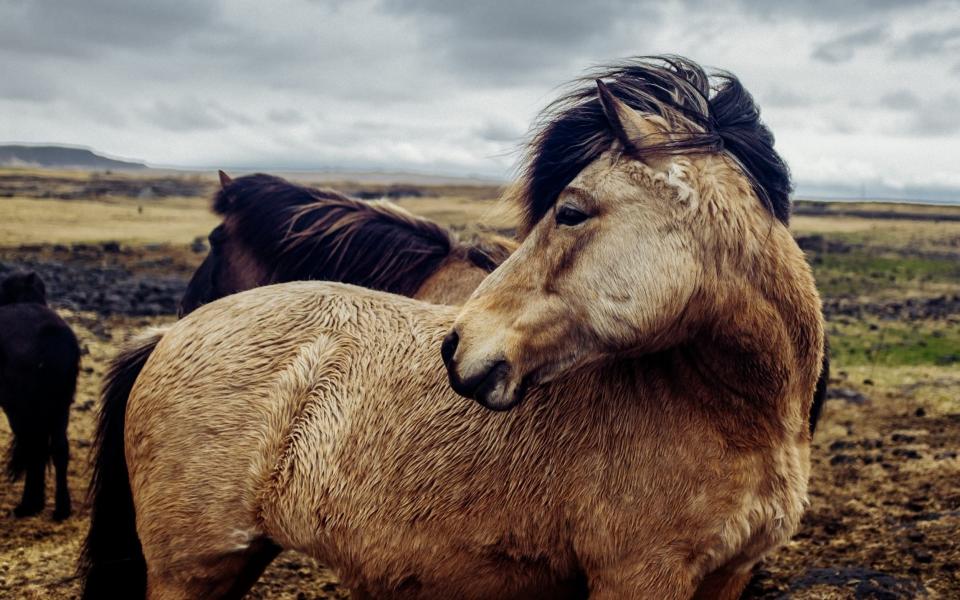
point(449, 347)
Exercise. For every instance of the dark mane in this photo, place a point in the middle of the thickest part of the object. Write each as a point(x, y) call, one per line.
point(715, 111)
point(305, 233)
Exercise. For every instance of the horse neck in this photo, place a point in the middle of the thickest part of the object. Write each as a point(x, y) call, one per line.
point(453, 282)
point(746, 371)
point(760, 348)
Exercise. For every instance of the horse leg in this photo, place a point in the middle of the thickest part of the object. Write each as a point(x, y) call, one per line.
point(646, 580)
point(60, 449)
point(35, 446)
point(726, 583)
point(225, 577)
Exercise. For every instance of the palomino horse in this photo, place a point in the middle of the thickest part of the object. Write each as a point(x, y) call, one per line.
point(653, 344)
point(275, 231)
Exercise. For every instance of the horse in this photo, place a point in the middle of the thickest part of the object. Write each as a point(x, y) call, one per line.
point(39, 363)
point(641, 371)
point(276, 231)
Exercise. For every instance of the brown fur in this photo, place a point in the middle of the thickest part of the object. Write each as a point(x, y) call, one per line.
point(658, 361)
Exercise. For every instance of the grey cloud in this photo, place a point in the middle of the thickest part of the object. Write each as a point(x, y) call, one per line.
point(900, 100)
point(187, 115)
point(78, 29)
point(499, 131)
point(922, 116)
point(829, 10)
point(541, 21)
point(937, 117)
point(926, 43)
point(843, 48)
point(503, 40)
point(26, 83)
point(286, 116)
point(783, 97)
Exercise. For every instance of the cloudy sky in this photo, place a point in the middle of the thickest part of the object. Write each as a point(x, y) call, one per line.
point(863, 95)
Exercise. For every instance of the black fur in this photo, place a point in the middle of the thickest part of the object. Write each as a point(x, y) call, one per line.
point(290, 226)
point(39, 363)
point(301, 233)
point(820, 392)
point(574, 131)
point(112, 563)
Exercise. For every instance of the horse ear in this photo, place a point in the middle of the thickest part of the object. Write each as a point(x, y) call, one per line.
point(224, 179)
point(631, 130)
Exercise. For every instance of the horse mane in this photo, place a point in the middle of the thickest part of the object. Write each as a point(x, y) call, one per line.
point(307, 233)
point(488, 251)
point(712, 113)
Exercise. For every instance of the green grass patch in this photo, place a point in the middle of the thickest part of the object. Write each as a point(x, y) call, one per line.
point(894, 343)
point(858, 273)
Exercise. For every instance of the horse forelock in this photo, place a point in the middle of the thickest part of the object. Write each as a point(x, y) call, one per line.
point(305, 233)
point(706, 113)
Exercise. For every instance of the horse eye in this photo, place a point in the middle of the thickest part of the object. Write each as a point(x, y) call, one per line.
point(569, 216)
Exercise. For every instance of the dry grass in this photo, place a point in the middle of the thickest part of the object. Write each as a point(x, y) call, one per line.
point(173, 220)
point(917, 235)
point(462, 213)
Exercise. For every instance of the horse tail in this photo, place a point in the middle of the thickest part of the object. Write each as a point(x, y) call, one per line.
point(16, 458)
point(820, 392)
point(112, 562)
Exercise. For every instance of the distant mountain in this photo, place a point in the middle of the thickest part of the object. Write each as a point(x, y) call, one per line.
point(60, 157)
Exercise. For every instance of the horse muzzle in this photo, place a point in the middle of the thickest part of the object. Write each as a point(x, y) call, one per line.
point(490, 383)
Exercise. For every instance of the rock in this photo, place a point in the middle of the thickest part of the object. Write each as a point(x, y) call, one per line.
point(846, 394)
point(841, 445)
point(948, 359)
point(915, 506)
point(907, 454)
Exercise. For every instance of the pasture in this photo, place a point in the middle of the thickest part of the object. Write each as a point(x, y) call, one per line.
point(117, 250)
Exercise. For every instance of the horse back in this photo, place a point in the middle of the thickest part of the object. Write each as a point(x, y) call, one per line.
point(39, 353)
point(236, 378)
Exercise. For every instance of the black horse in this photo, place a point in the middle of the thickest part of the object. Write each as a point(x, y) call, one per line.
point(39, 362)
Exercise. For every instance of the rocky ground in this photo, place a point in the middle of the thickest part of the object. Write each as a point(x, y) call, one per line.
point(884, 518)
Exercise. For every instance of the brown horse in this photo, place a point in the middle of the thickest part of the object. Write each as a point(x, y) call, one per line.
point(655, 342)
point(275, 231)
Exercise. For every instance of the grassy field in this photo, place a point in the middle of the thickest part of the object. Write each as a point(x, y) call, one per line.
point(885, 490)
point(63, 207)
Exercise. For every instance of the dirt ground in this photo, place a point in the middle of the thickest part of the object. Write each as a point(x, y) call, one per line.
point(884, 515)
